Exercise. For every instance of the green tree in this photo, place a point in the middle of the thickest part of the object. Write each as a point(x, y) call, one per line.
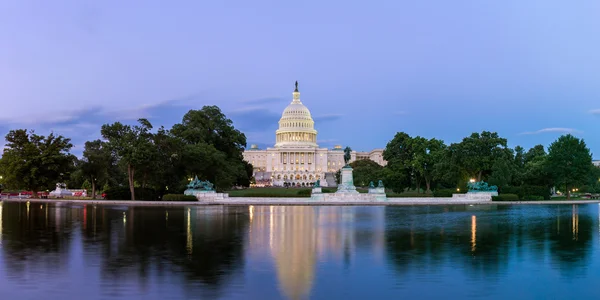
point(35, 162)
point(448, 173)
point(569, 162)
point(398, 172)
point(426, 154)
point(86, 185)
point(212, 147)
point(518, 166)
point(132, 145)
point(95, 163)
point(76, 177)
point(502, 171)
point(167, 168)
point(535, 172)
point(365, 171)
point(477, 153)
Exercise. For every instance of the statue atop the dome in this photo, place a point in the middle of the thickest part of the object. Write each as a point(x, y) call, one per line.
point(296, 90)
point(347, 151)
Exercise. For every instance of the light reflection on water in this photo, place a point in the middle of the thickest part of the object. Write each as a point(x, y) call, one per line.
point(298, 252)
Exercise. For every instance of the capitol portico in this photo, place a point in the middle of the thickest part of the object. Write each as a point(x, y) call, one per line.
point(296, 158)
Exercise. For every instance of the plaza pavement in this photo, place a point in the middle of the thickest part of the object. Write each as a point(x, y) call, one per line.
point(300, 201)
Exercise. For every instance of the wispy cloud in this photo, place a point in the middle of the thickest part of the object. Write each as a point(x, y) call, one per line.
point(76, 127)
point(327, 117)
point(552, 130)
point(42, 119)
point(595, 112)
point(253, 118)
point(131, 114)
point(266, 100)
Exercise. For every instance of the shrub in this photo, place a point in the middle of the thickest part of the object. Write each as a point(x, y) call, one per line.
point(533, 197)
point(304, 193)
point(510, 190)
point(179, 197)
point(506, 197)
point(408, 195)
point(123, 193)
point(532, 190)
point(527, 190)
point(445, 193)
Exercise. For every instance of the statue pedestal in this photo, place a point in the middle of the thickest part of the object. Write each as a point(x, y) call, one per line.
point(60, 191)
point(346, 185)
point(203, 195)
point(377, 190)
point(476, 196)
point(316, 194)
point(192, 192)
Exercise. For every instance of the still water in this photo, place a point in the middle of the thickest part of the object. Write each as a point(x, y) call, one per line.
point(53, 251)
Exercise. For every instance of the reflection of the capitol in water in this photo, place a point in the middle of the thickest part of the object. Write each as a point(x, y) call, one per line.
point(296, 237)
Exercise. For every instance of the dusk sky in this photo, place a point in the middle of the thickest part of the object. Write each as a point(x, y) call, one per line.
point(529, 70)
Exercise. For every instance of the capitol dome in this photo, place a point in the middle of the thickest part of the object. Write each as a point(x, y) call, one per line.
point(296, 126)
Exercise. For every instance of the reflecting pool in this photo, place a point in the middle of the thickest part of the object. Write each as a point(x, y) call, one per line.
point(61, 251)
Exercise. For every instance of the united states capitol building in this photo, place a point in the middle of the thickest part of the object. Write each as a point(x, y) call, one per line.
point(296, 159)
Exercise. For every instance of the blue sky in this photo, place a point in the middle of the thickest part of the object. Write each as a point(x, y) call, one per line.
point(526, 69)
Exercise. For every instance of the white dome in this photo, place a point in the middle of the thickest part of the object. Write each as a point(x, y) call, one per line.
point(296, 126)
point(296, 111)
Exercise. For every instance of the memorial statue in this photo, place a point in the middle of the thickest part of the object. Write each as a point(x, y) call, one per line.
point(347, 156)
point(196, 184)
point(296, 90)
point(380, 184)
point(481, 186)
point(317, 184)
point(371, 185)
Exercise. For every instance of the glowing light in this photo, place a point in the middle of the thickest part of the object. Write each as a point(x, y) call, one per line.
point(189, 242)
point(473, 233)
point(124, 218)
point(575, 223)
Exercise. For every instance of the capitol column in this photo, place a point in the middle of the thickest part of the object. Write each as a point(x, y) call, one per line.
point(270, 159)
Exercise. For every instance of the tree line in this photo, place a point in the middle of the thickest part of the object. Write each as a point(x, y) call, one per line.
point(205, 143)
point(421, 164)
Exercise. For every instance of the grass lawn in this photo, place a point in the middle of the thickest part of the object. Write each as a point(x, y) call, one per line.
point(572, 198)
point(276, 192)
